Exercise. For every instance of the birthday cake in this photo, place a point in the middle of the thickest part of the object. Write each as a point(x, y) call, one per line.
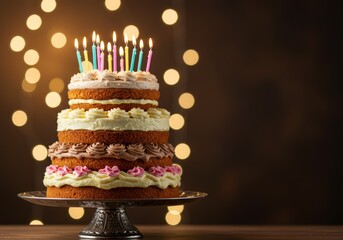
point(113, 140)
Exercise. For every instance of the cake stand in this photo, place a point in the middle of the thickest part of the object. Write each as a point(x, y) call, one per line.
point(110, 220)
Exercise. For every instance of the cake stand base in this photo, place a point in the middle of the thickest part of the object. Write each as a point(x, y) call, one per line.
point(110, 220)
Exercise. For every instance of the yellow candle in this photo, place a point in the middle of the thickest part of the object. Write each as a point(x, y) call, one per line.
point(85, 53)
point(109, 57)
point(126, 53)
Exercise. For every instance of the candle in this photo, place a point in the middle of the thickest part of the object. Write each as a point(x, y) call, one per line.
point(109, 57)
point(102, 47)
point(141, 45)
point(94, 51)
point(149, 56)
point(121, 54)
point(133, 53)
point(114, 52)
point(78, 55)
point(85, 53)
point(98, 50)
point(126, 53)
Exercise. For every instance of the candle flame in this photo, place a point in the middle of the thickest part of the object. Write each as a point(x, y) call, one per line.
point(125, 38)
point(114, 37)
point(102, 45)
point(134, 40)
point(109, 47)
point(84, 42)
point(76, 44)
point(121, 51)
point(93, 37)
point(141, 44)
point(97, 39)
point(150, 43)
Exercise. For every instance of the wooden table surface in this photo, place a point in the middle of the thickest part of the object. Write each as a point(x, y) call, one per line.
point(183, 232)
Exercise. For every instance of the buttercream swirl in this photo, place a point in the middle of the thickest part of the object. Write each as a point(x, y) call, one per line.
point(118, 113)
point(96, 150)
point(138, 113)
point(76, 113)
point(94, 113)
point(145, 76)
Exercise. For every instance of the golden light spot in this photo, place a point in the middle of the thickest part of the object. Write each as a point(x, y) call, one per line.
point(58, 40)
point(33, 22)
point(39, 152)
point(186, 100)
point(176, 209)
point(53, 99)
point(31, 57)
point(176, 121)
point(56, 85)
point(182, 151)
point(36, 222)
point(17, 43)
point(112, 5)
point(171, 76)
point(169, 16)
point(19, 118)
point(131, 30)
point(48, 5)
point(173, 219)
point(76, 212)
point(28, 87)
point(191, 57)
point(32, 75)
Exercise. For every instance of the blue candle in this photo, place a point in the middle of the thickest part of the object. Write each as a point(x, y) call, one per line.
point(78, 55)
point(141, 45)
point(94, 52)
point(133, 54)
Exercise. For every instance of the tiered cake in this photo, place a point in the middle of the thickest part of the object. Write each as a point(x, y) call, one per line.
point(113, 140)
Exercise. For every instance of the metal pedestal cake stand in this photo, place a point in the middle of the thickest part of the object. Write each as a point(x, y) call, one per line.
point(110, 220)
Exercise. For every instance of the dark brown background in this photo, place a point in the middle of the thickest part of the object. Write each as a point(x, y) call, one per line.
point(265, 127)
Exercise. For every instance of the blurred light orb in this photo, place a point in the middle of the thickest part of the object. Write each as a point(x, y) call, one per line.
point(76, 212)
point(53, 99)
point(19, 118)
point(36, 222)
point(171, 76)
point(84, 65)
point(34, 22)
point(112, 5)
point(177, 209)
point(131, 30)
point(31, 57)
point(58, 40)
point(173, 219)
point(48, 5)
point(28, 87)
point(186, 100)
point(17, 43)
point(39, 152)
point(191, 57)
point(56, 85)
point(182, 151)
point(176, 121)
point(169, 16)
point(32, 75)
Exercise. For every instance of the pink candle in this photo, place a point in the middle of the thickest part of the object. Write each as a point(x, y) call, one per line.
point(149, 56)
point(98, 50)
point(102, 46)
point(121, 53)
point(114, 52)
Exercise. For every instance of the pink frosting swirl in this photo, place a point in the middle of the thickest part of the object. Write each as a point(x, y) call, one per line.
point(81, 171)
point(174, 169)
point(51, 169)
point(64, 170)
point(136, 171)
point(157, 171)
point(110, 171)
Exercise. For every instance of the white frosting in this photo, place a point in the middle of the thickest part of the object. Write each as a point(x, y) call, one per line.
point(113, 101)
point(113, 84)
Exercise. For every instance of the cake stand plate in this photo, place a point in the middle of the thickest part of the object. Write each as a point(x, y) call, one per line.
point(110, 220)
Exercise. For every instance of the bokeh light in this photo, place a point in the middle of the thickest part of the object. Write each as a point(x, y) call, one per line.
point(56, 85)
point(34, 22)
point(76, 212)
point(131, 30)
point(19, 118)
point(48, 5)
point(171, 76)
point(169, 16)
point(186, 100)
point(28, 87)
point(39, 152)
point(177, 209)
point(53, 99)
point(173, 219)
point(58, 40)
point(31, 57)
point(176, 121)
point(17, 43)
point(182, 151)
point(32, 75)
point(191, 57)
point(112, 5)
point(36, 222)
